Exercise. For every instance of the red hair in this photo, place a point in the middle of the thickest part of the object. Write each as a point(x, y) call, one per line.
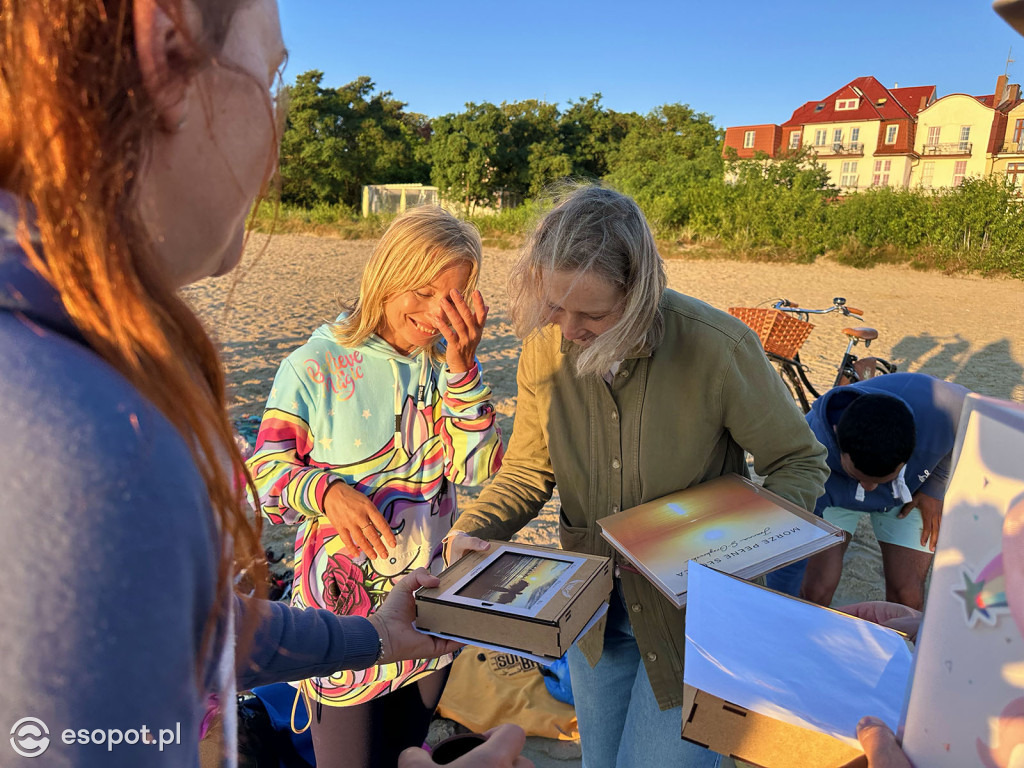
point(75, 125)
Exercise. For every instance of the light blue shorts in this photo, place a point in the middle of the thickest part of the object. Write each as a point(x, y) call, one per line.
point(888, 527)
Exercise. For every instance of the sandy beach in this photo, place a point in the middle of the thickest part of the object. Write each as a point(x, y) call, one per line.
point(960, 328)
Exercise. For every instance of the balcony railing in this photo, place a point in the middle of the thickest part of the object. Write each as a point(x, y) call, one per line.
point(838, 148)
point(1013, 148)
point(952, 148)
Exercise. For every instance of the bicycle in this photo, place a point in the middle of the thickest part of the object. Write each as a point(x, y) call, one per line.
point(786, 326)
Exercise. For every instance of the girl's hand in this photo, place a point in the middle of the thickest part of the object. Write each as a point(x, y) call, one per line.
point(462, 543)
point(462, 328)
point(360, 525)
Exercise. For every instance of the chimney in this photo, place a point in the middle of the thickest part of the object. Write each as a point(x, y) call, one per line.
point(1000, 90)
point(1014, 93)
point(924, 103)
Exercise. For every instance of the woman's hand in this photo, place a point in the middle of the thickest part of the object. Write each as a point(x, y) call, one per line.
point(461, 543)
point(360, 525)
point(462, 327)
point(892, 615)
point(880, 745)
point(393, 622)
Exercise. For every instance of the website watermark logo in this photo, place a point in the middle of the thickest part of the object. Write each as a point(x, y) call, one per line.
point(30, 737)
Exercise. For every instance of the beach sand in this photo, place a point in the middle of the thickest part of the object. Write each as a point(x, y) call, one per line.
point(960, 328)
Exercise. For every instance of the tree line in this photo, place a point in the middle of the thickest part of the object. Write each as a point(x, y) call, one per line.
point(336, 140)
point(670, 160)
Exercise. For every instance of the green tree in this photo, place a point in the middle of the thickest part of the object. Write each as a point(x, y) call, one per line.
point(591, 134)
point(465, 151)
point(338, 139)
point(534, 155)
point(487, 150)
point(670, 161)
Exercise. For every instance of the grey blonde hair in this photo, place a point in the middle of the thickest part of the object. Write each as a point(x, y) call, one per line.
point(417, 247)
point(594, 229)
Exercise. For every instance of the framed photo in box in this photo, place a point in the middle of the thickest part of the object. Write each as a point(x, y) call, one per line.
point(514, 580)
point(531, 599)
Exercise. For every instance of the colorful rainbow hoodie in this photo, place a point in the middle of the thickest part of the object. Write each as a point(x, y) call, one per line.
point(400, 430)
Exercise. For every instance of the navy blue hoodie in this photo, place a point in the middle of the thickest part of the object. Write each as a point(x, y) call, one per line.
point(936, 407)
point(110, 555)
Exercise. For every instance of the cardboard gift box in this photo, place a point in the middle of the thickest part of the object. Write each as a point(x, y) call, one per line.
point(778, 682)
point(535, 600)
point(759, 740)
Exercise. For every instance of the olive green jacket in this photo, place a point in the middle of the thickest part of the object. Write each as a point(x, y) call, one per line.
point(669, 420)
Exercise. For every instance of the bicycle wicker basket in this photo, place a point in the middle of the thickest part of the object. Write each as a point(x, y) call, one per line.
point(780, 333)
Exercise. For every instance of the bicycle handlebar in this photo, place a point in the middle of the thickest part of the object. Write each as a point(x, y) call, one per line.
point(838, 305)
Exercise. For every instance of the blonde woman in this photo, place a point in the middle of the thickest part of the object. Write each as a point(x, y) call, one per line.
point(369, 427)
point(629, 391)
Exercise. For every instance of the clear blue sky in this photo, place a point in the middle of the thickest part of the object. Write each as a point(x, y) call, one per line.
point(744, 61)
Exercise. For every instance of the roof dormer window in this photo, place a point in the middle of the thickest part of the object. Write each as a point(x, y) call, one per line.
point(847, 104)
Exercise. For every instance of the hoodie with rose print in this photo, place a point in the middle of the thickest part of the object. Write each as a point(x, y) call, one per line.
point(399, 429)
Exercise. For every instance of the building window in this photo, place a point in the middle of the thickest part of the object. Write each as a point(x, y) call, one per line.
point(891, 133)
point(843, 104)
point(794, 140)
point(881, 175)
point(820, 137)
point(965, 138)
point(748, 139)
point(1018, 133)
point(933, 134)
point(854, 138)
point(959, 170)
point(849, 176)
point(927, 174)
point(1015, 174)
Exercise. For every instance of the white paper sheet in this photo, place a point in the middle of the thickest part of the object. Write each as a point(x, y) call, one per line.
point(789, 660)
point(544, 661)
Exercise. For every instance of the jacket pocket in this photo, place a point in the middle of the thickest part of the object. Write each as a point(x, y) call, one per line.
point(571, 537)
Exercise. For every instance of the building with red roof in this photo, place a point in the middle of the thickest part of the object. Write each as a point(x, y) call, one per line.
point(867, 135)
point(960, 136)
point(862, 133)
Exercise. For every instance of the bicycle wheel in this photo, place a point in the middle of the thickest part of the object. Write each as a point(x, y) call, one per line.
point(792, 381)
point(812, 392)
point(883, 367)
point(869, 367)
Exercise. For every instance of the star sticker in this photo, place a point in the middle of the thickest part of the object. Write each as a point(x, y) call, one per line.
point(330, 412)
point(326, 442)
point(358, 442)
point(969, 594)
point(295, 405)
point(273, 392)
point(366, 413)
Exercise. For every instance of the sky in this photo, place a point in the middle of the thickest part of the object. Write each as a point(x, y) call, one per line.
point(743, 61)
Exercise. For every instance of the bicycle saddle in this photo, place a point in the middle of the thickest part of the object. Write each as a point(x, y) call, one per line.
point(866, 334)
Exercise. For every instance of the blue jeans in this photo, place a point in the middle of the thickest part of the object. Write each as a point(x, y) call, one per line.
point(787, 579)
point(620, 723)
